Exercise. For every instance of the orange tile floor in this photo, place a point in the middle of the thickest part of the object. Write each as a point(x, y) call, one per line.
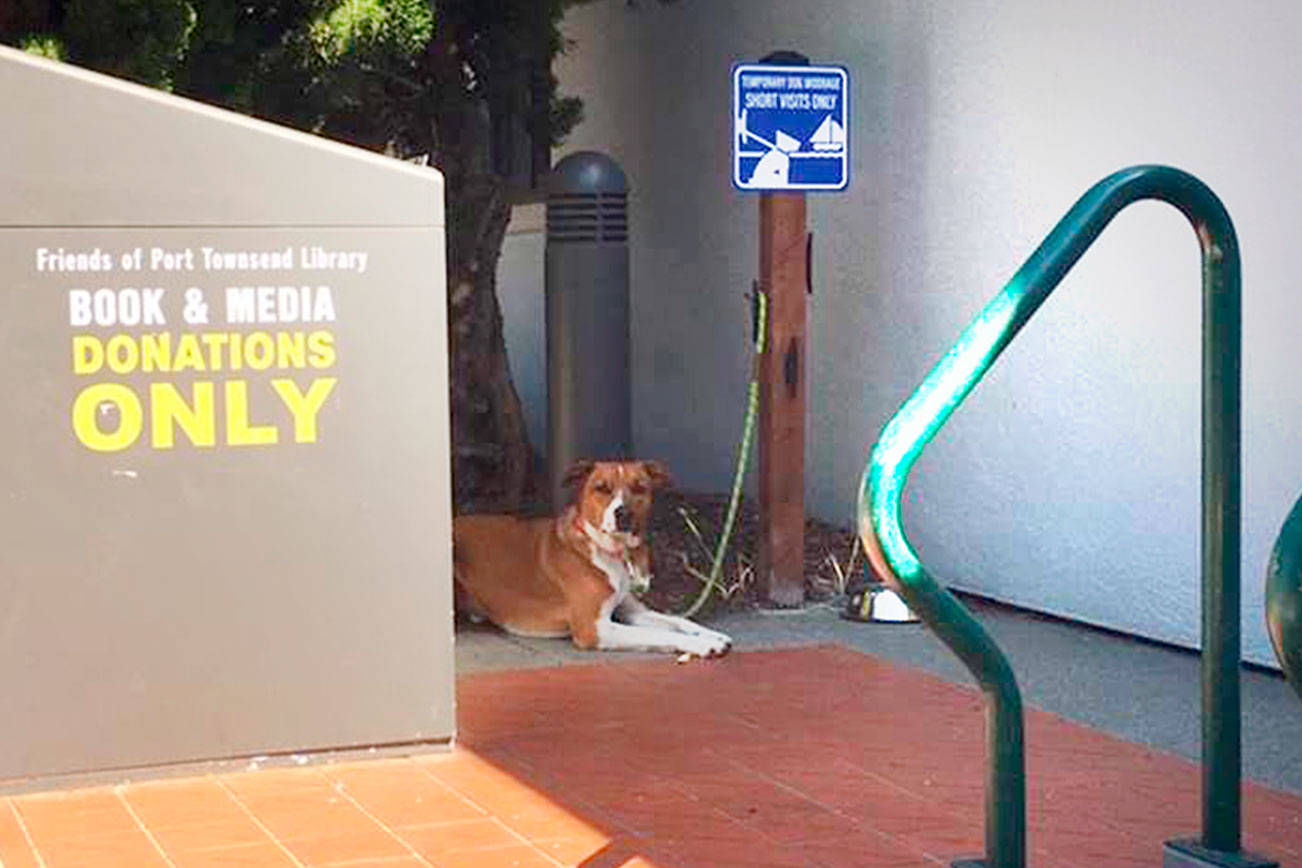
point(804, 757)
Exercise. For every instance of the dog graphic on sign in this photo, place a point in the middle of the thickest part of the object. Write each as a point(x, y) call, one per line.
point(774, 168)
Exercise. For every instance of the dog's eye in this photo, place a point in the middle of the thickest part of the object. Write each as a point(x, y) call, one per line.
point(602, 487)
point(637, 488)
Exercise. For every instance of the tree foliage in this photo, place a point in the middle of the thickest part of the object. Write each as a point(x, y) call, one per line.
point(458, 81)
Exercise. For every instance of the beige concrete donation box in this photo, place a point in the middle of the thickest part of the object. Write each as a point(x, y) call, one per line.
point(225, 505)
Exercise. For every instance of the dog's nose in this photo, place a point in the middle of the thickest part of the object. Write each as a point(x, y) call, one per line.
point(623, 518)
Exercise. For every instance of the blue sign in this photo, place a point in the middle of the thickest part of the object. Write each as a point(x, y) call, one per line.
point(790, 127)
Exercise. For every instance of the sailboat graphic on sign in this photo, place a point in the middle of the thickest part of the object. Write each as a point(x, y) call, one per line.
point(830, 136)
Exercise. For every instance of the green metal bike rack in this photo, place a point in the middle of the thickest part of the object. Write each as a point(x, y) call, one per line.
point(1284, 597)
point(945, 387)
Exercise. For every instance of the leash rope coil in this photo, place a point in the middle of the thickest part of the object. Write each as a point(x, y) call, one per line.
point(743, 453)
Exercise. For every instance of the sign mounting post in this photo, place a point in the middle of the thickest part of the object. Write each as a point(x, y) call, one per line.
point(790, 134)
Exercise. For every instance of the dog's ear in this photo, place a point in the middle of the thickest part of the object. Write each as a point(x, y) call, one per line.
point(658, 474)
point(577, 473)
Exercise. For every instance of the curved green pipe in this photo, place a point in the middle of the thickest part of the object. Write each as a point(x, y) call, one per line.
point(954, 377)
point(1284, 597)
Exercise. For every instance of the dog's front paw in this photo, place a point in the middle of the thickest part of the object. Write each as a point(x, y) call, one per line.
point(712, 645)
point(694, 629)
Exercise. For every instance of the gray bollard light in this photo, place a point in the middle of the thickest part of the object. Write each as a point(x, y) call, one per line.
point(587, 314)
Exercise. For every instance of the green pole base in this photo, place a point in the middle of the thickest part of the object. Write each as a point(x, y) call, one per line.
point(968, 863)
point(1188, 853)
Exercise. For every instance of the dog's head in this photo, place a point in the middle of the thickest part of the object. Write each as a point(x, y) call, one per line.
point(613, 499)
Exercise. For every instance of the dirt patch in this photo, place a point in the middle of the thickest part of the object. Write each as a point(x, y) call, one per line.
point(685, 528)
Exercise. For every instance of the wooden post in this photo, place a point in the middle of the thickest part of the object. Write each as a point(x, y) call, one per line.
point(783, 269)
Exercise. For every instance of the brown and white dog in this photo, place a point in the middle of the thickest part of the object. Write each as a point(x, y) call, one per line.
point(577, 574)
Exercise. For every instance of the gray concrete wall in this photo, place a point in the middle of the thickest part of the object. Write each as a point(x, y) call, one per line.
point(211, 554)
point(1069, 481)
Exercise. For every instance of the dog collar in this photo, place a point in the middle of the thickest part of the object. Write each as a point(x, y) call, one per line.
point(640, 582)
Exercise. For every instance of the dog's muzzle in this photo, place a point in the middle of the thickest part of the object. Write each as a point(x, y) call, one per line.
point(623, 519)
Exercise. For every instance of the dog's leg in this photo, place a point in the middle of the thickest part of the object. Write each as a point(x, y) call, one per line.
point(614, 636)
point(632, 611)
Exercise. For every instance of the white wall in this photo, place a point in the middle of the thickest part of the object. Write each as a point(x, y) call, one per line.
point(520, 274)
point(1068, 483)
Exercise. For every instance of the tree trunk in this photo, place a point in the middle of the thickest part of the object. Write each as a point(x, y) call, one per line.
point(492, 462)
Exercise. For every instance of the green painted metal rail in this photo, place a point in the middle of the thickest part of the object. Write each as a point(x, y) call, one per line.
point(1284, 597)
point(954, 377)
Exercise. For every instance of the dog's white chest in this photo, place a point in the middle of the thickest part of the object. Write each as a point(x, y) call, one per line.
point(618, 572)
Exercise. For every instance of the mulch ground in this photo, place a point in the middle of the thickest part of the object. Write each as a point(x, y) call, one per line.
point(685, 528)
